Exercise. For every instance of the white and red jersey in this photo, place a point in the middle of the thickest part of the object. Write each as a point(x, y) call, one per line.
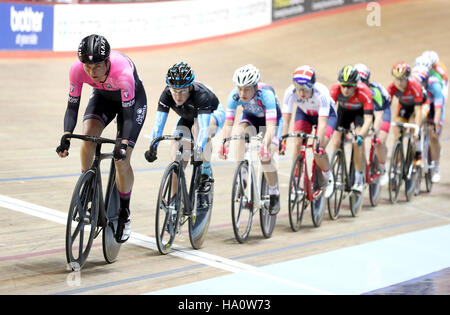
point(318, 104)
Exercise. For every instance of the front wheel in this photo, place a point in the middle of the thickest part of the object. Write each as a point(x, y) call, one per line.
point(168, 208)
point(297, 201)
point(335, 200)
point(242, 202)
point(82, 220)
point(374, 181)
point(395, 172)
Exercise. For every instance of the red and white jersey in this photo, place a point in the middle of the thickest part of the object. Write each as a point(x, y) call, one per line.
point(318, 104)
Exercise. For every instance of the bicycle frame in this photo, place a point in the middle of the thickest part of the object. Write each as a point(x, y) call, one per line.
point(103, 220)
point(309, 180)
point(370, 178)
point(403, 134)
point(187, 196)
point(253, 178)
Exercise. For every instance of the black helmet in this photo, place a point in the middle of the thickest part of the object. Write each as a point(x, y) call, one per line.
point(93, 49)
point(348, 75)
point(180, 75)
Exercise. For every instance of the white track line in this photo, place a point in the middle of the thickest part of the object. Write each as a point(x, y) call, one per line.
point(150, 243)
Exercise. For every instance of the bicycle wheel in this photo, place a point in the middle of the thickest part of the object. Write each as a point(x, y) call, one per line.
point(82, 220)
point(355, 198)
point(317, 204)
point(409, 172)
point(266, 220)
point(374, 181)
point(426, 160)
point(111, 247)
point(202, 209)
point(242, 203)
point(395, 172)
point(297, 194)
point(168, 209)
point(335, 200)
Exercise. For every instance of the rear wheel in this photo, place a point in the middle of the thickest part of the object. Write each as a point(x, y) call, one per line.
point(198, 224)
point(318, 203)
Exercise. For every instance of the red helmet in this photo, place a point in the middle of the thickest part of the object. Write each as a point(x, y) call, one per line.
point(401, 70)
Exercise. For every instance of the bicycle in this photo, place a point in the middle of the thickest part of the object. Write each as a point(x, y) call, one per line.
point(401, 166)
point(175, 208)
point(92, 212)
point(246, 195)
point(344, 180)
point(372, 172)
point(427, 166)
point(303, 189)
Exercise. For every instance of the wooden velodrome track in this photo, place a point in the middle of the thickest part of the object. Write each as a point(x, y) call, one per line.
point(33, 179)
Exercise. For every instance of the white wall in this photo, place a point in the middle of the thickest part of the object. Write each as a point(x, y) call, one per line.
point(145, 24)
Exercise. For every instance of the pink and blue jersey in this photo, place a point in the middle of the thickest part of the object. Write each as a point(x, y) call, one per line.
point(122, 93)
point(263, 106)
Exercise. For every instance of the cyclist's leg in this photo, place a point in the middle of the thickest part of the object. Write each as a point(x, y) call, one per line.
point(99, 113)
point(268, 163)
point(125, 174)
point(435, 145)
point(358, 154)
point(382, 127)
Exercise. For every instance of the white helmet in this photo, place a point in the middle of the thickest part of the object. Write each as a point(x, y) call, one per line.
point(432, 56)
point(423, 61)
point(247, 75)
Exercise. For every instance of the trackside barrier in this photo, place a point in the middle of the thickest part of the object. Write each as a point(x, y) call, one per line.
point(59, 27)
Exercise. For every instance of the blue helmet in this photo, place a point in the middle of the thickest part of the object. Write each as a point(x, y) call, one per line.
point(180, 75)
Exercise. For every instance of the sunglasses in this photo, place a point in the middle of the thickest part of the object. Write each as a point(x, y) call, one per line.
point(179, 91)
point(347, 85)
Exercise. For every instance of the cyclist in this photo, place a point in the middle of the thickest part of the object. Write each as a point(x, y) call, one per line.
point(117, 91)
point(201, 116)
point(437, 92)
point(314, 107)
point(410, 99)
point(382, 118)
point(261, 113)
point(355, 105)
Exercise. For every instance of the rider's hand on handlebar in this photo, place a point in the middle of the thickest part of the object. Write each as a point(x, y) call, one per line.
point(150, 155)
point(120, 151)
point(283, 146)
point(359, 140)
point(223, 151)
point(63, 148)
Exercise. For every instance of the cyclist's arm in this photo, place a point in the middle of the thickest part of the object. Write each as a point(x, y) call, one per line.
point(436, 90)
point(230, 114)
point(287, 109)
point(160, 122)
point(418, 99)
point(366, 98)
point(73, 103)
point(268, 98)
